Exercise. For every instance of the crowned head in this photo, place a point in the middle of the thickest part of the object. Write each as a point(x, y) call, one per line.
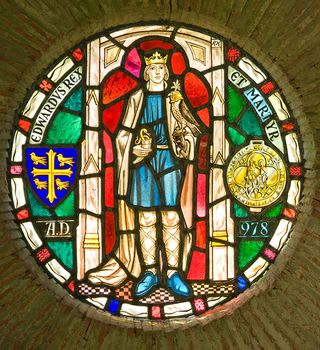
point(156, 58)
point(156, 71)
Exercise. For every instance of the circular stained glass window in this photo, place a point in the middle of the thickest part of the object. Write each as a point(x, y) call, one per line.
point(155, 172)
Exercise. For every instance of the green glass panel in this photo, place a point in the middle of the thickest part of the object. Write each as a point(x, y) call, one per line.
point(239, 212)
point(235, 136)
point(248, 250)
point(273, 212)
point(249, 124)
point(235, 104)
point(37, 209)
point(66, 128)
point(66, 208)
point(74, 102)
point(63, 251)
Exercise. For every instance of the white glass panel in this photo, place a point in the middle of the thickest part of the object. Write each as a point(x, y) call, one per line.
point(293, 148)
point(252, 70)
point(93, 195)
point(279, 106)
point(111, 57)
point(273, 133)
point(238, 79)
point(219, 263)
point(92, 109)
point(230, 262)
point(294, 192)
point(91, 157)
point(18, 195)
point(33, 104)
point(134, 310)
point(217, 52)
point(212, 301)
point(60, 69)
point(31, 235)
point(216, 80)
point(218, 216)
point(179, 309)
point(18, 141)
point(256, 269)
point(59, 272)
point(217, 189)
point(128, 37)
point(220, 149)
point(93, 64)
point(99, 302)
point(198, 48)
point(281, 234)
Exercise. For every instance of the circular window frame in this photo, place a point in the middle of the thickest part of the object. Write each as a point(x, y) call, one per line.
point(267, 279)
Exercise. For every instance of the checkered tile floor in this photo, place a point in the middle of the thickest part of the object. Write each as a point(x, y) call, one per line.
point(206, 289)
point(86, 290)
point(125, 292)
point(159, 296)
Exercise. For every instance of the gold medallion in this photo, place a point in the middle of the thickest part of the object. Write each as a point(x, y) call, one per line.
point(256, 175)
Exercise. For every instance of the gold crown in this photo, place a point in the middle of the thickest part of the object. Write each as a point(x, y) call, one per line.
point(156, 58)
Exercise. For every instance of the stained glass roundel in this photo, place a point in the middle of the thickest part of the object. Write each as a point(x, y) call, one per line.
point(155, 172)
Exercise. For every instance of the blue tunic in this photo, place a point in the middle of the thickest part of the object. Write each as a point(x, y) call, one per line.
point(153, 184)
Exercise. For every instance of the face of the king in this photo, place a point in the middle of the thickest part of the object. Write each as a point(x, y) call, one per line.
point(157, 72)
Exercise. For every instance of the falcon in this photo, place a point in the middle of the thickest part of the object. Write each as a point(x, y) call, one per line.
point(181, 111)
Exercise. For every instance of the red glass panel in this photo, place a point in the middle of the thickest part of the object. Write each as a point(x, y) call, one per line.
point(233, 54)
point(270, 254)
point(45, 85)
point(133, 63)
point(288, 127)
point(196, 90)
point(77, 54)
point(71, 286)
point(111, 116)
point(108, 187)
point(16, 169)
point(155, 44)
point(199, 305)
point(290, 213)
point(110, 231)
point(201, 234)
point(202, 160)
point(156, 312)
point(108, 148)
point(268, 87)
point(201, 195)
point(295, 171)
point(197, 269)
point(43, 254)
point(204, 116)
point(23, 214)
point(24, 125)
point(177, 63)
point(117, 85)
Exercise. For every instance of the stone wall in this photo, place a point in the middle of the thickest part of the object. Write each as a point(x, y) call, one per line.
point(284, 36)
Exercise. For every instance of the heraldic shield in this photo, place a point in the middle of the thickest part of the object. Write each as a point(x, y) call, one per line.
point(51, 172)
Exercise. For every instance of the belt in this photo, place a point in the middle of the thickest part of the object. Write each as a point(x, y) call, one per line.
point(162, 147)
